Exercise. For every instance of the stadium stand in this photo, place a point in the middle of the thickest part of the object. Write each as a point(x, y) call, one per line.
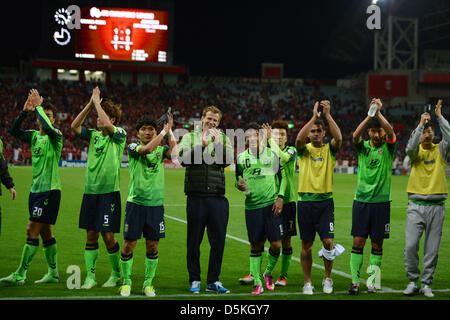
point(241, 101)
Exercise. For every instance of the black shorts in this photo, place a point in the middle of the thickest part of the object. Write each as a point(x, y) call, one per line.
point(371, 219)
point(289, 216)
point(145, 220)
point(44, 206)
point(262, 224)
point(101, 212)
point(316, 216)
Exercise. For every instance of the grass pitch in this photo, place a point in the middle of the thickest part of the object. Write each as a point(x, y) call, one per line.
point(171, 281)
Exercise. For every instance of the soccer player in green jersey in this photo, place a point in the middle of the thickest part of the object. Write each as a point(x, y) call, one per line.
point(145, 202)
point(260, 176)
point(278, 138)
point(5, 179)
point(277, 135)
point(45, 194)
point(372, 202)
point(101, 207)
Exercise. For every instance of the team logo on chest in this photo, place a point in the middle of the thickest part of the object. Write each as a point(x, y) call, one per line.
point(37, 151)
point(428, 161)
point(316, 159)
point(100, 150)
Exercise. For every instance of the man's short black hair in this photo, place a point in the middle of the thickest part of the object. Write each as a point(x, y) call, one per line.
point(429, 124)
point(146, 121)
point(253, 125)
point(374, 123)
point(49, 106)
point(320, 122)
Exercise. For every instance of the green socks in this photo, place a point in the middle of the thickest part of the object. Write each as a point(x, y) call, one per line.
point(90, 259)
point(28, 253)
point(255, 265)
point(114, 259)
point(126, 266)
point(356, 260)
point(286, 258)
point(151, 262)
point(375, 262)
point(50, 253)
point(91, 255)
point(271, 261)
point(375, 257)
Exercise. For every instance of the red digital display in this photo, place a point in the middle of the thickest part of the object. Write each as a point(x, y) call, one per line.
point(122, 34)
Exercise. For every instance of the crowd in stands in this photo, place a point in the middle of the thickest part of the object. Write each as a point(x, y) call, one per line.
point(241, 102)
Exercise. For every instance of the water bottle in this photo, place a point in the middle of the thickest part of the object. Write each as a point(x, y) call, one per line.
point(373, 110)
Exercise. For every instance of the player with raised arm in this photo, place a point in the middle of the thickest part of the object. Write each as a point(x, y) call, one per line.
point(45, 194)
point(145, 202)
point(277, 135)
point(427, 191)
point(315, 190)
point(372, 202)
point(101, 207)
point(259, 174)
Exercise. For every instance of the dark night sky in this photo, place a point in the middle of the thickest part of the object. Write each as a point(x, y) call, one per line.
point(238, 37)
point(231, 38)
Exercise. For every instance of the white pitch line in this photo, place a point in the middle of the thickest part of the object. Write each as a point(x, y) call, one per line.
point(206, 295)
point(242, 206)
point(341, 273)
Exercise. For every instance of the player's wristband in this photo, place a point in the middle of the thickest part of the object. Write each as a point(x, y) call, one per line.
point(391, 141)
point(163, 132)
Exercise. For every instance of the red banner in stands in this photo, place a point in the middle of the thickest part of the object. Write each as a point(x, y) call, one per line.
point(272, 70)
point(388, 86)
point(436, 78)
point(399, 126)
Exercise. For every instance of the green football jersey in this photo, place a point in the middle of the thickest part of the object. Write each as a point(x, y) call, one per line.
point(374, 172)
point(290, 194)
point(264, 175)
point(104, 160)
point(288, 157)
point(146, 186)
point(1, 149)
point(45, 151)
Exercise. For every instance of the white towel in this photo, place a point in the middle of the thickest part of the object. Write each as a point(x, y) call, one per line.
point(331, 254)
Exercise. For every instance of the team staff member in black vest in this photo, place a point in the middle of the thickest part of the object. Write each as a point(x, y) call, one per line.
point(205, 152)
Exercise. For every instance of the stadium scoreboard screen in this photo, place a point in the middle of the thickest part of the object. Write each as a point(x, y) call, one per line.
point(122, 34)
point(109, 34)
